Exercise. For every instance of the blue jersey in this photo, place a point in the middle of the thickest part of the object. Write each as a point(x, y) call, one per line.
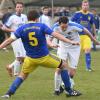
point(87, 20)
point(33, 38)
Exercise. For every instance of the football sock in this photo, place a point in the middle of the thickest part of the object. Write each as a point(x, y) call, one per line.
point(72, 82)
point(88, 60)
point(58, 81)
point(15, 85)
point(16, 67)
point(66, 80)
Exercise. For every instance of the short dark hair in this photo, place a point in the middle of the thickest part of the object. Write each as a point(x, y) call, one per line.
point(32, 15)
point(63, 19)
point(19, 3)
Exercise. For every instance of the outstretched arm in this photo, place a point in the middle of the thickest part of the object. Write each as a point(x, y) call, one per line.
point(6, 29)
point(62, 38)
point(6, 42)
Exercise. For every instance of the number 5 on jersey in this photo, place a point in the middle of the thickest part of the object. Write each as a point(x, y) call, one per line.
point(33, 40)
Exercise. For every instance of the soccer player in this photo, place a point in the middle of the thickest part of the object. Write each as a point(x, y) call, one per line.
point(34, 41)
point(85, 18)
point(66, 51)
point(44, 18)
point(15, 21)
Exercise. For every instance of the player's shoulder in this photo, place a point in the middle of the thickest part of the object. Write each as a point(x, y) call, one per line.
point(37, 25)
point(74, 25)
point(23, 15)
point(55, 25)
point(91, 14)
point(78, 12)
point(13, 16)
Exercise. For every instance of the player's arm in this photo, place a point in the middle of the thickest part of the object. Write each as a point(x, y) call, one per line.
point(91, 36)
point(51, 44)
point(6, 29)
point(59, 36)
point(94, 30)
point(8, 41)
point(62, 38)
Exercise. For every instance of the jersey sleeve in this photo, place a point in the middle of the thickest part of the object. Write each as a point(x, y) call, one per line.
point(9, 22)
point(13, 36)
point(74, 17)
point(55, 25)
point(56, 29)
point(79, 28)
point(47, 30)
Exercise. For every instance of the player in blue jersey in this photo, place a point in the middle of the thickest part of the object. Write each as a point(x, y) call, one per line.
point(85, 18)
point(67, 52)
point(34, 40)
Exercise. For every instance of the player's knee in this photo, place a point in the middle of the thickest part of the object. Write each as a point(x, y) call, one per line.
point(88, 50)
point(23, 75)
point(58, 71)
point(63, 65)
point(20, 59)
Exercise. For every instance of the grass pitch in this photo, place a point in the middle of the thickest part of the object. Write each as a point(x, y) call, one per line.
point(40, 84)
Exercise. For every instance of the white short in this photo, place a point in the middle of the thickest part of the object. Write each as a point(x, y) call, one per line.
point(18, 48)
point(70, 54)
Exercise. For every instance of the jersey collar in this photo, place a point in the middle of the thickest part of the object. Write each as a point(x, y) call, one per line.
point(32, 22)
point(84, 12)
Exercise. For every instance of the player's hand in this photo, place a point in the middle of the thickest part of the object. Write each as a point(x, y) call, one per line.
point(13, 30)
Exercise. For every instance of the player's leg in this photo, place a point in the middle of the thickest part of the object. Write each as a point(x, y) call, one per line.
point(57, 78)
point(57, 81)
point(28, 66)
point(52, 61)
point(10, 67)
point(19, 53)
point(66, 80)
point(73, 62)
point(87, 50)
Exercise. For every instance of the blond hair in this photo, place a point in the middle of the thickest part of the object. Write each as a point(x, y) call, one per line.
point(84, 1)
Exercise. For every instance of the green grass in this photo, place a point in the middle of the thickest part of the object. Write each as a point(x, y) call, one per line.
point(40, 84)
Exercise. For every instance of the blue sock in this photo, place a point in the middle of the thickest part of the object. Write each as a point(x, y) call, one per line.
point(66, 80)
point(88, 60)
point(17, 82)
